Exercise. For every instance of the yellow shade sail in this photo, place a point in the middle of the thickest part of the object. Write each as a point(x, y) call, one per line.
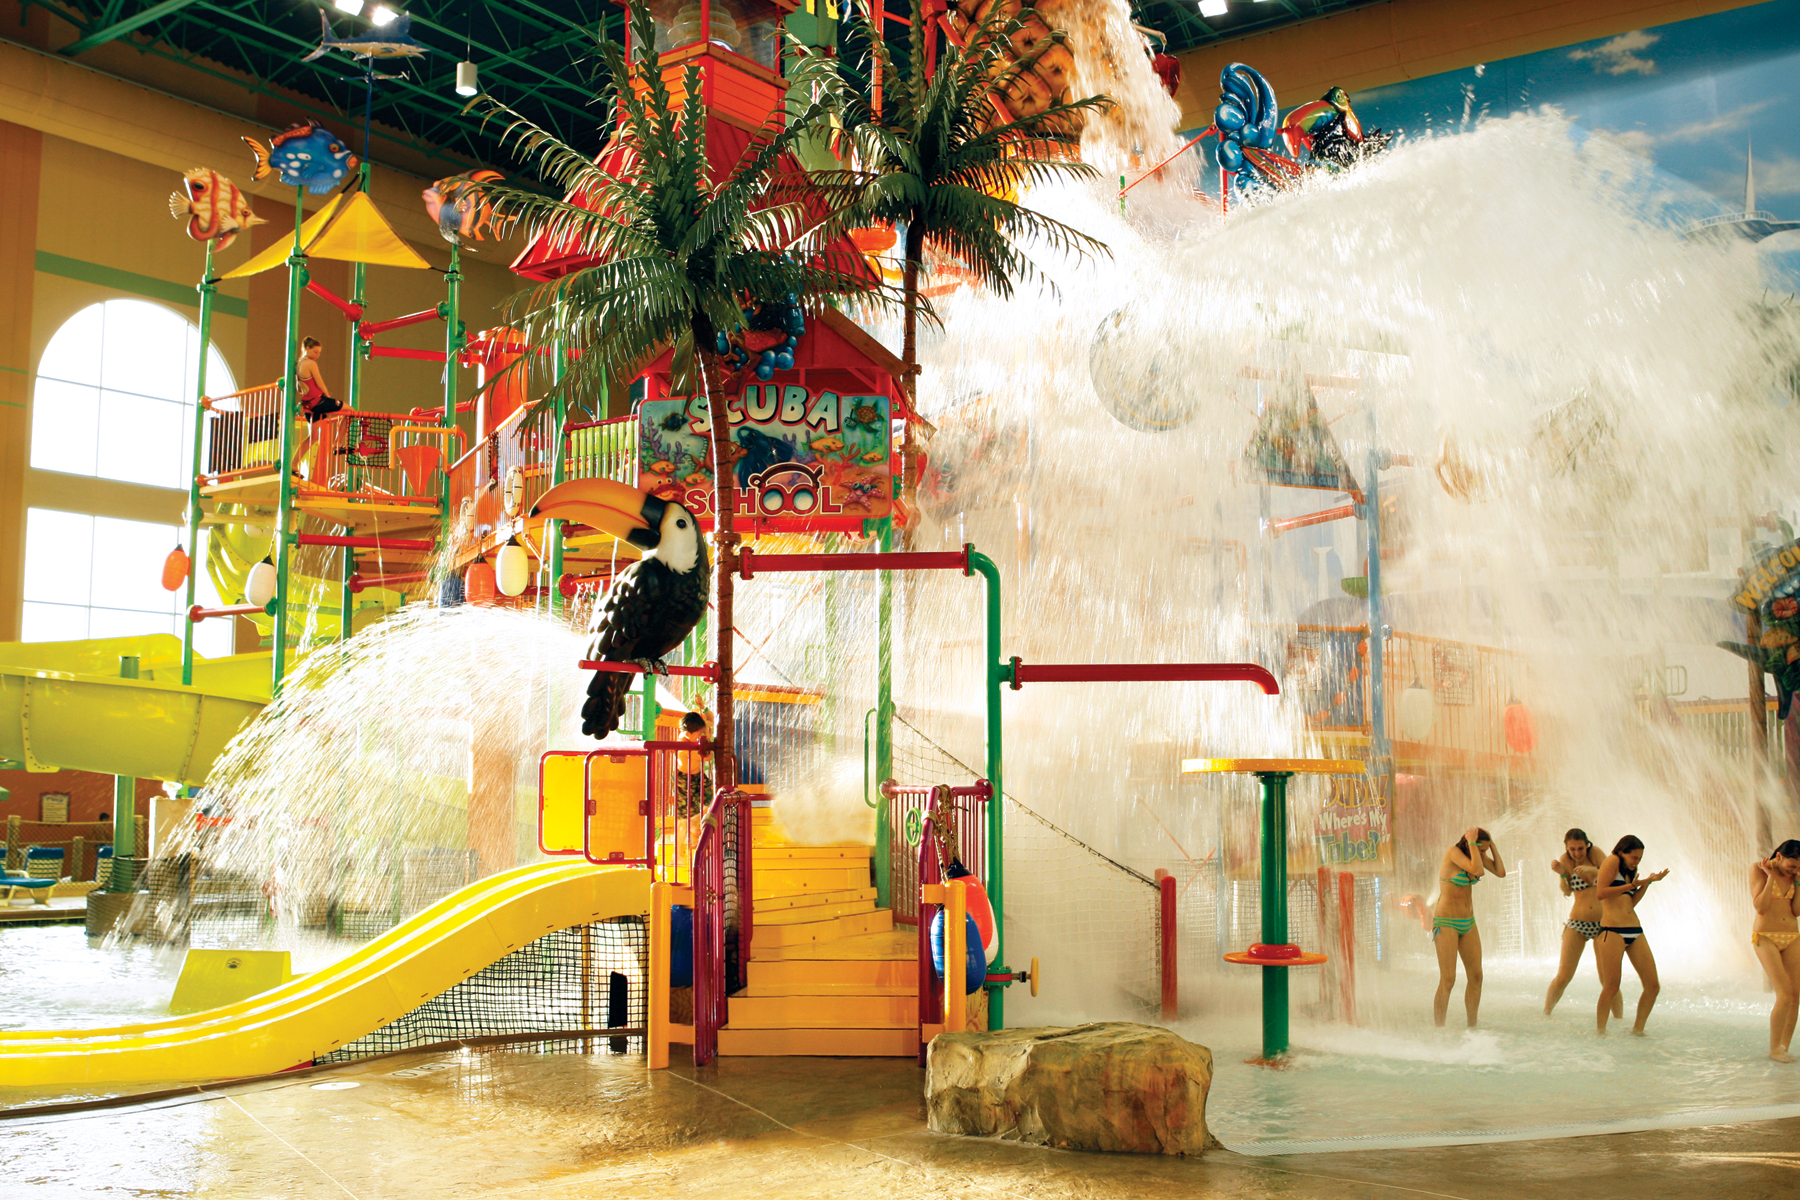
point(277, 254)
point(361, 234)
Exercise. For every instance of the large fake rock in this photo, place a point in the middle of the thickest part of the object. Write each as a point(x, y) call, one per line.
point(1112, 1086)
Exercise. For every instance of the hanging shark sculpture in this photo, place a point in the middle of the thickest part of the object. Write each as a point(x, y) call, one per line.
point(394, 41)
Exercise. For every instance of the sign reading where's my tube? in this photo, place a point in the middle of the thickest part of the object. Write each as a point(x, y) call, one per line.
point(802, 459)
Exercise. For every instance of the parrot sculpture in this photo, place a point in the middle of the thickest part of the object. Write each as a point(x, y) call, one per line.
point(653, 604)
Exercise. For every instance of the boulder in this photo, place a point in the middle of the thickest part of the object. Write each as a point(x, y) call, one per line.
point(1110, 1086)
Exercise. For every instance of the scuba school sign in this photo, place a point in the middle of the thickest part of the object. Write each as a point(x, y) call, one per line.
point(804, 459)
point(1770, 594)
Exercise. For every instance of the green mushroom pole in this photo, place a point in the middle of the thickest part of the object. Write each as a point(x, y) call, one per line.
point(1274, 909)
point(999, 671)
point(208, 288)
point(884, 726)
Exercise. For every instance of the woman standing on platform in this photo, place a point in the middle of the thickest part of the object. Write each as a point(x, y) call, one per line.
point(1577, 869)
point(1775, 937)
point(1453, 919)
point(1621, 936)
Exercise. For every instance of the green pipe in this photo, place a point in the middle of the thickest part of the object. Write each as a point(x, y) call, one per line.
point(1274, 909)
point(453, 344)
point(208, 288)
point(290, 409)
point(124, 809)
point(358, 289)
point(998, 671)
point(884, 725)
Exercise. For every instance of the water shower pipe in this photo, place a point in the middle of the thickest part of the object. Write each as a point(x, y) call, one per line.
point(1019, 673)
point(1275, 528)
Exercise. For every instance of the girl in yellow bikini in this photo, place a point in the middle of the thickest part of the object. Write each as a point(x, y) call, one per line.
point(1775, 937)
point(1621, 890)
point(1453, 919)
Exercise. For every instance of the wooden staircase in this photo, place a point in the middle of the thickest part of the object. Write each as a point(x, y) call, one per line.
point(829, 975)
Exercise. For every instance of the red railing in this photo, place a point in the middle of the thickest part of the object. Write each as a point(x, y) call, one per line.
point(907, 814)
point(722, 915)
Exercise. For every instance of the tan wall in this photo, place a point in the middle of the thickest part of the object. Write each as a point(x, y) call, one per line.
point(1409, 39)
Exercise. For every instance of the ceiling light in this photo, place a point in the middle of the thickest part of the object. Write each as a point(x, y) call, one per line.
point(1212, 8)
point(353, 7)
point(381, 14)
point(466, 84)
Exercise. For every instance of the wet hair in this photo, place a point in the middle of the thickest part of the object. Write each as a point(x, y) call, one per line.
point(1626, 845)
point(1787, 849)
point(693, 722)
point(309, 343)
point(1481, 835)
point(1579, 835)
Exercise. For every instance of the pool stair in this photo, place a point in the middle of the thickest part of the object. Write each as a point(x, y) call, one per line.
point(829, 974)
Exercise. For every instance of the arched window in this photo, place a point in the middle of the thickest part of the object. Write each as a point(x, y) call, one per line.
point(115, 394)
point(114, 399)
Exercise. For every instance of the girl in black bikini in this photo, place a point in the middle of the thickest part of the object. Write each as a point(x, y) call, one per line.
point(1577, 869)
point(1621, 936)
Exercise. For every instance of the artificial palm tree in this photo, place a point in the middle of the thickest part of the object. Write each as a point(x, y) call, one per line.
point(677, 251)
point(936, 155)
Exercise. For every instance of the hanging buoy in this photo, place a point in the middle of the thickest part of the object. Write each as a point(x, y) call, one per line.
point(259, 588)
point(512, 569)
point(175, 570)
point(478, 582)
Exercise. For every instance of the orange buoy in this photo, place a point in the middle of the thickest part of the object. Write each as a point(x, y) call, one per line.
point(175, 569)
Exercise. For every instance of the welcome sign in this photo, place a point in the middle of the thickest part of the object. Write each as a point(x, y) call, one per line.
point(802, 459)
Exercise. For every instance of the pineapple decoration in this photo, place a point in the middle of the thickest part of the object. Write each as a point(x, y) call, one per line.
point(770, 337)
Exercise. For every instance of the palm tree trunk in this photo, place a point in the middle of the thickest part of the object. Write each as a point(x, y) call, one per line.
point(716, 382)
point(909, 354)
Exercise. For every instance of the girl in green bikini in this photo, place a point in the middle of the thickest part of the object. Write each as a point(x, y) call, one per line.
point(1453, 919)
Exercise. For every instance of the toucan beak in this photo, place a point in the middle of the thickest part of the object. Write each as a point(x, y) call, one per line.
point(616, 508)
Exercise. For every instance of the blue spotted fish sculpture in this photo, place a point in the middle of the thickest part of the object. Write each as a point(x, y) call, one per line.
point(306, 155)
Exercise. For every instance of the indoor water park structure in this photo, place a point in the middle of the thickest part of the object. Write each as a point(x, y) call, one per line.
point(702, 593)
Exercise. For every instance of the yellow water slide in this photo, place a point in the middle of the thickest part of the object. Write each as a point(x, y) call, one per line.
point(316, 1014)
point(64, 706)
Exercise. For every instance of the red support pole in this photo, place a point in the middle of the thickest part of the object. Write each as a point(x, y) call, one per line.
point(351, 311)
point(197, 613)
point(1277, 528)
point(1347, 943)
point(360, 581)
point(361, 543)
point(707, 672)
point(1171, 990)
point(945, 560)
point(402, 352)
point(371, 328)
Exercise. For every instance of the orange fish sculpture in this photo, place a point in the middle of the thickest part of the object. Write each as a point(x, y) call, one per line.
point(216, 210)
point(459, 206)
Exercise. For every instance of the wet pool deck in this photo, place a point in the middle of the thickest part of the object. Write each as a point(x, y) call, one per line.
point(513, 1123)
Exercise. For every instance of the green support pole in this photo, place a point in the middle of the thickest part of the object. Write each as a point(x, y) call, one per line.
point(358, 289)
point(884, 726)
point(1274, 909)
point(998, 671)
point(208, 287)
point(124, 809)
point(453, 344)
point(290, 408)
point(650, 710)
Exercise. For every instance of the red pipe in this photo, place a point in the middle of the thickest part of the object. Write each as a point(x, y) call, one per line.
point(359, 581)
point(371, 328)
point(197, 613)
point(1144, 673)
point(709, 672)
point(1347, 944)
point(1171, 990)
point(981, 789)
point(909, 560)
point(1207, 132)
point(435, 414)
point(351, 311)
point(1277, 528)
point(361, 543)
point(401, 352)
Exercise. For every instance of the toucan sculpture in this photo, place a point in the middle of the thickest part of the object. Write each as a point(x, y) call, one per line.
point(654, 603)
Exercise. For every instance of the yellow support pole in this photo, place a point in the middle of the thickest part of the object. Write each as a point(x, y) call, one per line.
point(956, 957)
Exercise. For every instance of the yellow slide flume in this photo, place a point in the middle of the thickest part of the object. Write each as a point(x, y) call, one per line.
point(311, 1016)
point(64, 707)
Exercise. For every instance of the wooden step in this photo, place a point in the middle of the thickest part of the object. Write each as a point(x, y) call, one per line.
point(815, 854)
point(810, 913)
point(788, 882)
point(771, 905)
point(895, 946)
point(827, 977)
point(823, 1012)
point(809, 933)
point(820, 1043)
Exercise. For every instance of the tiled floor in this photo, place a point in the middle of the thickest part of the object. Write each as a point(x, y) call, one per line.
point(514, 1123)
